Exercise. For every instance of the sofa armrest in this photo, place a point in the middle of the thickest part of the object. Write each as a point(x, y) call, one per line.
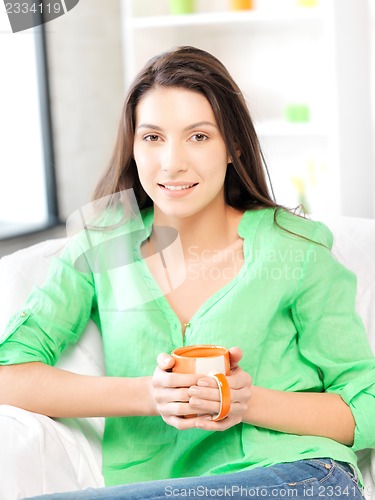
point(40, 455)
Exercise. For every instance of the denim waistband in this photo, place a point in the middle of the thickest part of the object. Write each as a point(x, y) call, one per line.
point(348, 467)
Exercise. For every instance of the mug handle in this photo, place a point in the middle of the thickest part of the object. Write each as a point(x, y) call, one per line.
point(224, 390)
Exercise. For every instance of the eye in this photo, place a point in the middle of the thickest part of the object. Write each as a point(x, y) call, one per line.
point(151, 138)
point(199, 137)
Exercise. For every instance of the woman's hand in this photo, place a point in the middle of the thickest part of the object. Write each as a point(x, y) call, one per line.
point(171, 397)
point(176, 395)
point(205, 396)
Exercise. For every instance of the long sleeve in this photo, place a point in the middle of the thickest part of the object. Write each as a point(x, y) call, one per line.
point(332, 336)
point(53, 316)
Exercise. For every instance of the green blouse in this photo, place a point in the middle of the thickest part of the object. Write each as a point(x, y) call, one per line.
point(291, 309)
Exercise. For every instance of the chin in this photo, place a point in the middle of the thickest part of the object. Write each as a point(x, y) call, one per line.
point(176, 211)
point(182, 214)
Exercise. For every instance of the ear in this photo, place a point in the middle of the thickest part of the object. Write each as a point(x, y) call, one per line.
point(238, 154)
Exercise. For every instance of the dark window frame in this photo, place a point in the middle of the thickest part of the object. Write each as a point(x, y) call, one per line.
point(46, 127)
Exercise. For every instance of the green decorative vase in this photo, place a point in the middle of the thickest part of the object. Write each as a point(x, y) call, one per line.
point(178, 7)
point(297, 113)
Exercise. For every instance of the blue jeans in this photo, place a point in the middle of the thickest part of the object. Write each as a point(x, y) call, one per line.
point(310, 479)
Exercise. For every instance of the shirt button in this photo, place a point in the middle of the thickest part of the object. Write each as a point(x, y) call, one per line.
point(23, 314)
point(186, 325)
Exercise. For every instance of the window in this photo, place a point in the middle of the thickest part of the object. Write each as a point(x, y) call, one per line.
point(27, 182)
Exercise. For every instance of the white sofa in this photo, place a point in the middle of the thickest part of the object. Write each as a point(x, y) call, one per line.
point(41, 455)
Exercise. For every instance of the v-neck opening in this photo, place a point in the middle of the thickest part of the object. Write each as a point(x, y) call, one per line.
point(163, 303)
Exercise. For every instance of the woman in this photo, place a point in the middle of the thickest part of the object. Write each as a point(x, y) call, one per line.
point(253, 275)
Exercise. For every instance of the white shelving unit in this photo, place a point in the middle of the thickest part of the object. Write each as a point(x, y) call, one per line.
point(227, 18)
point(282, 54)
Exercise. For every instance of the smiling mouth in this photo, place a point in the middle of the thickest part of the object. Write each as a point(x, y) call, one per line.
point(178, 188)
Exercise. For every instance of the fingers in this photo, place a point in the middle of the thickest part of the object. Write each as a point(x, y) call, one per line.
point(213, 394)
point(205, 396)
point(177, 409)
point(209, 425)
point(207, 393)
point(207, 399)
point(235, 354)
point(170, 394)
point(186, 423)
point(165, 379)
point(178, 395)
point(165, 361)
point(237, 379)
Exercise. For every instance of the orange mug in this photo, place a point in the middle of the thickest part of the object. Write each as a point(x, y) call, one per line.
point(206, 359)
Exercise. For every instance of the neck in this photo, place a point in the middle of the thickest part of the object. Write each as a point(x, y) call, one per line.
point(207, 230)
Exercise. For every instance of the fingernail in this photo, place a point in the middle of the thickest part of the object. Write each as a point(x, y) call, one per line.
point(198, 402)
point(201, 423)
point(194, 391)
point(203, 383)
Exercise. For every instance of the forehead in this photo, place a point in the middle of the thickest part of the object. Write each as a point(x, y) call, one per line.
point(173, 106)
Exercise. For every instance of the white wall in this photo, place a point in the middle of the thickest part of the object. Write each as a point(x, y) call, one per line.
point(85, 67)
point(372, 83)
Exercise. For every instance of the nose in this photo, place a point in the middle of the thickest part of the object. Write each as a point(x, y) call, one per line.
point(174, 158)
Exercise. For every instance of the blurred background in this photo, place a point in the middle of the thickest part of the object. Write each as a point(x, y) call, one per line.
point(306, 68)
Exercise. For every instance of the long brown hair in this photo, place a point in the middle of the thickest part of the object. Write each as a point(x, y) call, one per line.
point(190, 68)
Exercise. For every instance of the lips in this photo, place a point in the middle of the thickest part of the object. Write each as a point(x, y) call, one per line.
point(178, 187)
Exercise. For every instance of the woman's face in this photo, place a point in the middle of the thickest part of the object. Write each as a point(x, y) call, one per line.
point(179, 151)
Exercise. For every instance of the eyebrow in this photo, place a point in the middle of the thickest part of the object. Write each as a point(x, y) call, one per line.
point(189, 127)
